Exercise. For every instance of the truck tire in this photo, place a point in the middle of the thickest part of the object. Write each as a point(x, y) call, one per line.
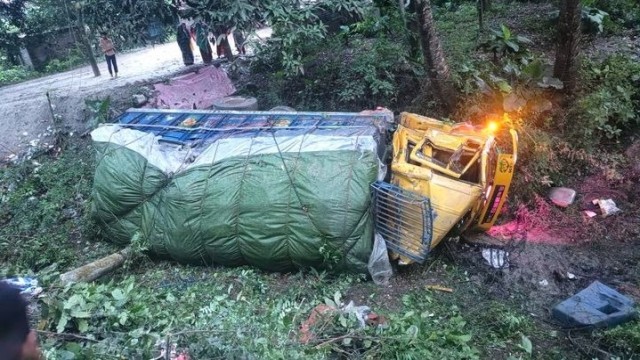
point(237, 103)
point(282, 108)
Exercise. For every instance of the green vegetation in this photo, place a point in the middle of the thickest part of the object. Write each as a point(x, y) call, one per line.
point(610, 105)
point(44, 212)
point(15, 74)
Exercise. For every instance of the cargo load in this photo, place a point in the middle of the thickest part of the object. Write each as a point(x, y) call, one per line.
point(279, 191)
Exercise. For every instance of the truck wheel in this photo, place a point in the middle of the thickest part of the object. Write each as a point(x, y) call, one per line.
point(237, 103)
point(283, 109)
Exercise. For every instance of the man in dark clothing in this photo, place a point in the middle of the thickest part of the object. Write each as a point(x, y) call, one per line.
point(238, 37)
point(184, 41)
point(109, 53)
point(17, 341)
point(202, 41)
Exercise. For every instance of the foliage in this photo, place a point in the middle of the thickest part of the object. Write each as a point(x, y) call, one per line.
point(211, 314)
point(297, 32)
point(513, 83)
point(622, 13)
point(44, 211)
point(99, 111)
point(363, 67)
point(594, 19)
point(502, 43)
point(12, 19)
point(610, 102)
point(73, 59)
point(419, 333)
point(623, 340)
point(15, 74)
point(457, 30)
point(128, 23)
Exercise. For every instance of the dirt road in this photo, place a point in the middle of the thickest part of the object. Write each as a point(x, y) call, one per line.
point(24, 111)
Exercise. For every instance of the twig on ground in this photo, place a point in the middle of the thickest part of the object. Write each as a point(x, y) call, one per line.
point(67, 335)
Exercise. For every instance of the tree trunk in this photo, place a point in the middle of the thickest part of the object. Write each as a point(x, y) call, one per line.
point(480, 5)
point(566, 65)
point(413, 27)
point(86, 49)
point(434, 60)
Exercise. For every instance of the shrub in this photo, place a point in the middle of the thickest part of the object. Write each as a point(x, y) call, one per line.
point(623, 340)
point(15, 74)
point(624, 13)
point(364, 66)
point(73, 59)
point(43, 210)
point(609, 106)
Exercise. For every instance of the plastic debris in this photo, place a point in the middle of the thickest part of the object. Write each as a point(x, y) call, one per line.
point(361, 313)
point(324, 314)
point(28, 286)
point(543, 282)
point(562, 196)
point(497, 258)
point(571, 276)
point(608, 207)
point(379, 266)
point(590, 213)
point(139, 100)
point(596, 306)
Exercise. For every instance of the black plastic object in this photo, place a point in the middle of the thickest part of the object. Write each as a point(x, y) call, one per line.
point(596, 306)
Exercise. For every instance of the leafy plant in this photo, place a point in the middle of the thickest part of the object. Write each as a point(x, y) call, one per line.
point(348, 72)
point(15, 74)
point(610, 103)
point(43, 211)
point(623, 340)
point(502, 43)
point(99, 111)
point(621, 13)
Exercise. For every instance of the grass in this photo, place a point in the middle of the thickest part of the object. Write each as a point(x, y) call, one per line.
point(209, 312)
point(44, 214)
point(222, 313)
point(460, 29)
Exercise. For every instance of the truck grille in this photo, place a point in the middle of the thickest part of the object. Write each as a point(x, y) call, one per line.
point(404, 219)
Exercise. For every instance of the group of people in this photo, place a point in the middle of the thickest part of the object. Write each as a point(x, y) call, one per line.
point(204, 37)
point(198, 31)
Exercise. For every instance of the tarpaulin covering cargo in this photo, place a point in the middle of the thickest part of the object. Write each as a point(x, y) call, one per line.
point(279, 191)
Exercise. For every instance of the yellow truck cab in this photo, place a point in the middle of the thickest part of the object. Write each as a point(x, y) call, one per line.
point(462, 171)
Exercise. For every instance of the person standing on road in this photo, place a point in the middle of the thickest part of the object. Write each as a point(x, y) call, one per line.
point(239, 39)
point(184, 41)
point(202, 41)
point(109, 53)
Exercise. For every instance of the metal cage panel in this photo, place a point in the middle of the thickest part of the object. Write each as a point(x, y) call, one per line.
point(404, 219)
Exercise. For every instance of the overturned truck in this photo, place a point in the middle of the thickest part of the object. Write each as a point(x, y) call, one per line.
point(290, 190)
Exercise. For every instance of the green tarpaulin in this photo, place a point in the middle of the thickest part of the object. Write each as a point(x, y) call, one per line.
point(278, 199)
